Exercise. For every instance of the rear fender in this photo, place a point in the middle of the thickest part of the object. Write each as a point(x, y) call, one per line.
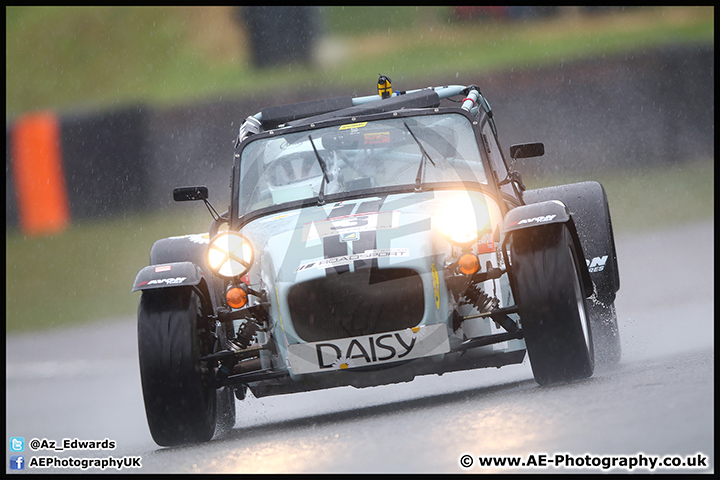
point(537, 215)
point(588, 206)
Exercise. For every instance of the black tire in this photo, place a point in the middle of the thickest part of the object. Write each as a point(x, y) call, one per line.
point(606, 335)
point(180, 400)
point(548, 290)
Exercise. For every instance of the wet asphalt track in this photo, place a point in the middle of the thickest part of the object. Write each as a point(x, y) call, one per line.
point(84, 384)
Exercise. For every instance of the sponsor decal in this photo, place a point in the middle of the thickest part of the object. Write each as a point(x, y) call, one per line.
point(349, 237)
point(381, 348)
point(541, 219)
point(375, 138)
point(360, 222)
point(200, 238)
point(436, 285)
point(348, 259)
point(486, 244)
point(165, 281)
point(597, 264)
point(278, 217)
point(350, 126)
point(163, 268)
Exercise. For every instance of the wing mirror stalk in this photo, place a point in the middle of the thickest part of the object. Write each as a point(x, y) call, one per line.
point(522, 150)
point(189, 194)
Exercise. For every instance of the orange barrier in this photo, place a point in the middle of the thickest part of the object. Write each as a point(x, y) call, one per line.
point(38, 174)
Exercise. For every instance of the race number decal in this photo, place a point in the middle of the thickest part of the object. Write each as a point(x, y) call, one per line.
point(360, 222)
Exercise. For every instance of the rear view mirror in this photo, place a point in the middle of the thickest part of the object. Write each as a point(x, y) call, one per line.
point(527, 150)
point(185, 194)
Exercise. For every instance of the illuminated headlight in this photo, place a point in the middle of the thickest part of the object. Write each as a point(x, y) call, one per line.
point(462, 221)
point(230, 254)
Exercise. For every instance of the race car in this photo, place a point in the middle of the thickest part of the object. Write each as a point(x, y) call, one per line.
point(370, 240)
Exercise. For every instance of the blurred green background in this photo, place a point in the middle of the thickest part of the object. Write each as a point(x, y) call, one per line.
point(73, 57)
point(68, 58)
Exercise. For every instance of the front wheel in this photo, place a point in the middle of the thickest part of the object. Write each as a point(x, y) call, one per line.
point(551, 304)
point(180, 399)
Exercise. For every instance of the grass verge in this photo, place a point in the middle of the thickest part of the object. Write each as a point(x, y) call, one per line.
point(105, 57)
point(642, 200)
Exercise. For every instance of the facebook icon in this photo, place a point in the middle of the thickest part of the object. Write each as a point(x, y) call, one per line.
point(17, 462)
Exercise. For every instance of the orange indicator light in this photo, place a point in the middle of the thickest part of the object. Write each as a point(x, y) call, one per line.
point(236, 297)
point(468, 263)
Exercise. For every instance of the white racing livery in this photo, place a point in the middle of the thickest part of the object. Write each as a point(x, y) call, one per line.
point(370, 240)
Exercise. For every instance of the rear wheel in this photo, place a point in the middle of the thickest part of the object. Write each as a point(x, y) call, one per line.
point(180, 399)
point(551, 304)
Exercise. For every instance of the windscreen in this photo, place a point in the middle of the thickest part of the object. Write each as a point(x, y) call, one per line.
point(358, 156)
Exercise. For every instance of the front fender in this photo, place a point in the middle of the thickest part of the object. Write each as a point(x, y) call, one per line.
point(544, 213)
point(178, 274)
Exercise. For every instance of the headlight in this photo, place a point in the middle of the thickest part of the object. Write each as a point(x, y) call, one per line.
point(462, 220)
point(230, 254)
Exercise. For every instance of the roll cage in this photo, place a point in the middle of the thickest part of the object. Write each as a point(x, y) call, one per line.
point(310, 116)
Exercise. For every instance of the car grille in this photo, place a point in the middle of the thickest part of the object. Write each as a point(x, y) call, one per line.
point(356, 303)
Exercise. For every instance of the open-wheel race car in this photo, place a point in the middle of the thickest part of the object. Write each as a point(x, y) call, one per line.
point(370, 240)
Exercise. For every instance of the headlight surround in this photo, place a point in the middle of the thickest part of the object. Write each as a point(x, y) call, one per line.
point(230, 255)
point(462, 220)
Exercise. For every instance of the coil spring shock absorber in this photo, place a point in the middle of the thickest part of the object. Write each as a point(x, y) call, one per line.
point(477, 297)
point(246, 332)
